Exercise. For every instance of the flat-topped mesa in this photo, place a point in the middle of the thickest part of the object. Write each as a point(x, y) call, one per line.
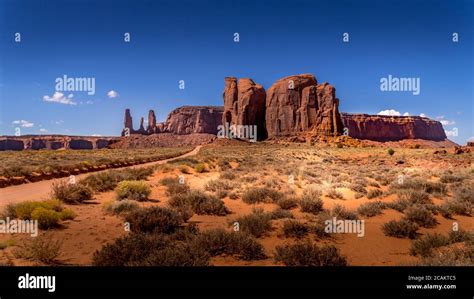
point(244, 104)
point(297, 104)
point(392, 128)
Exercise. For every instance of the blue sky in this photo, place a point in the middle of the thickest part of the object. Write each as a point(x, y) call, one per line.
point(194, 41)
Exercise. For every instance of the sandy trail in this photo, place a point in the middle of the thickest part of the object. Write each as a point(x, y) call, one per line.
point(41, 190)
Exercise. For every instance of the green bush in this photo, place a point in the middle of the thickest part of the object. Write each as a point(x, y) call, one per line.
point(200, 167)
point(133, 190)
point(46, 218)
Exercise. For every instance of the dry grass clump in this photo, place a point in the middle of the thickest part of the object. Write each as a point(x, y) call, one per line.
point(228, 175)
point(108, 180)
point(280, 214)
point(334, 194)
point(288, 203)
point(400, 229)
point(122, 207)
point(420, 215)
point(133, 190)
point(309, 254)
point(40, 249)
point(371, 209)
point(310, 201)
point(340, 212)
point(461, 204)
point(262, 194)
point(425, 245)
point(257, 224)
point(199, 202)
point(71, 193)
point(420, 185)
point(295, 229)
point(373, 193)
point(154, 219)
point(219, 185)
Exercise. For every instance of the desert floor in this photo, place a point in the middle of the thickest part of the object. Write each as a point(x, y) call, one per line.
point(344, 177)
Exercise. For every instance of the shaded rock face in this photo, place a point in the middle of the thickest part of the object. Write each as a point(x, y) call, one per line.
point(151, 122)
point(181, 121)
point(244, 104)
point(11, 145)
point(80, 144)
point(193, 119)
point(392, 128)
point(298, 104)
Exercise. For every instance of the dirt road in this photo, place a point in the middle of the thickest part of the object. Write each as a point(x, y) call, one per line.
point(41, 190)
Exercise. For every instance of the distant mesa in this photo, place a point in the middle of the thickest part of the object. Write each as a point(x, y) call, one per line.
point(54, 142)
point(294, 107)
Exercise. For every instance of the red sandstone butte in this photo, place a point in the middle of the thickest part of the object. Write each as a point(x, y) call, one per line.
point(392, 128)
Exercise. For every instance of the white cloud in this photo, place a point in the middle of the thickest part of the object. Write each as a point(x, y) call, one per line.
point(59, 122)
point(423, 115)
point(389, 112)
point(58, 97)
point(112, 94)
point(43, 130)
point(23, 123)
point(451, 133)
point(446, 122)
point(471, 139)
point(406, 114)
point(96, 135)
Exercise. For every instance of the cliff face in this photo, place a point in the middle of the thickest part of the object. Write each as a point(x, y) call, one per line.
point(53, 142)
point(392, 128)
point(299, 104)
point(193, 119)
point(244, 104)
point(181, 121)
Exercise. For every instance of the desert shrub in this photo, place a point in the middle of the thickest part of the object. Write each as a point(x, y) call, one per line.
point(216, 185)
point(200, 202)
point(457, 207)
point(398, 205)
point(371, 209)
point(340, 212)
point(102, 181)
point(166, 181)
point(227, 175)
point(414, 196)
point(122, 207)
point(280, 214)
point(334, 194)
point(133, 190)
point(180, 254)
point(309, 254)
point(390, 151)
point(359, 188)
point(424, 245)
point(373, 193)
point(67, 214)
point(400, 229)
point(295, 229)
point(177, 188)
point(257, 224)
point(451, 178)
point(420, 215)
point(130, 249)
point(200, 167)
point(465, 193)
point(154, 219)
point(420, 185)
point(71, 193)
point(460, 236)
point(287, 203)
point(309, 205)
point(184, 169)
point(41, 249)
point(450, 257)
point(262, 194)
point(46, 218)
point(239, 244)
